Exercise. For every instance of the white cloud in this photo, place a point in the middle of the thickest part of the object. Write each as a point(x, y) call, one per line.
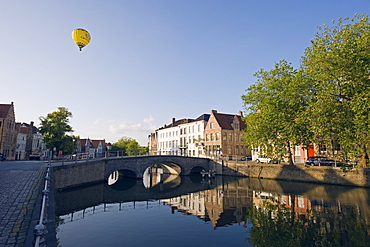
point(112, 130)
point(123, 127)
point(149, 120)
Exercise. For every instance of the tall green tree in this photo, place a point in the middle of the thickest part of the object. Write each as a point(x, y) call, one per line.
point(129, 145)
point(275, 105)
point(55, 128)
point(338, 61)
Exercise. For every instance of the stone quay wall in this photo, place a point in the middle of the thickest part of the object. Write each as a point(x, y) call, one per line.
point(71, 175)
point(299, 172)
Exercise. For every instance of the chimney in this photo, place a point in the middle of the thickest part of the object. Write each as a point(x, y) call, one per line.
point(173, 121)
point(213, 111)
point(240, 113)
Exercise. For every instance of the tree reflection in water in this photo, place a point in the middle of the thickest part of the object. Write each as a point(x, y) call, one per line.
point(320, 224)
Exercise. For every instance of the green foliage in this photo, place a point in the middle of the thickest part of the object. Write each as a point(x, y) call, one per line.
point(54, 128)
point(276, 104)
point(326, 101)
point(130, 146)
point(338, 61)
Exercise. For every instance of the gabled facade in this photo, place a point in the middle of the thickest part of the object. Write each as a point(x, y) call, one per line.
point(168, 138)
point(223, 136)
point(153, 143)
point(21, 142)
point(99, 148)
point(30, 143)
point(8, 131)
point(92, 148)
point(192, 137)
point(183, 137)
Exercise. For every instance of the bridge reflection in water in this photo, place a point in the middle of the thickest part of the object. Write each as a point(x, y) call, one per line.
point(275, 212)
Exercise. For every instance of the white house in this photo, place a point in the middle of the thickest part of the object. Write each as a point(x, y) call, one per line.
point(21, 143)
point(183, 137)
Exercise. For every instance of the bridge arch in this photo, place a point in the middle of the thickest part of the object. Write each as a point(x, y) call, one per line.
point(176, 165)
point(117, 175)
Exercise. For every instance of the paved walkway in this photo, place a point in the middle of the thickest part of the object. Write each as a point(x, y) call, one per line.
point(20, 183)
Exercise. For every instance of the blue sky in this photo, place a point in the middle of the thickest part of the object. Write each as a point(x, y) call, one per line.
point(148, 60)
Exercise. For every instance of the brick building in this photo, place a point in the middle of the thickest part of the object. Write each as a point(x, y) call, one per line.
point(8, 131)
point(223, 135)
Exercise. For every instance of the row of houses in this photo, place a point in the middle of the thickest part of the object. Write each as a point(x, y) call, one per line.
point(210, 135)
point(23, 141)
point(214, 135)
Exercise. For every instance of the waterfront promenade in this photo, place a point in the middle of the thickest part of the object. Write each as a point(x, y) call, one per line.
point(20, 183)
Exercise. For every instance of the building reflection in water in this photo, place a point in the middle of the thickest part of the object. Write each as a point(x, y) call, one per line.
point(223, 205)
point(285, 213)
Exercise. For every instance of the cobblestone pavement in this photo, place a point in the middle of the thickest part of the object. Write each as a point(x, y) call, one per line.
point(20, 183)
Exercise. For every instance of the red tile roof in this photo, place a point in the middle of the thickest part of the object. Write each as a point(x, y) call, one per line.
point(4, 110)
point(24, 130)
point(96, 143)
point(225, 121)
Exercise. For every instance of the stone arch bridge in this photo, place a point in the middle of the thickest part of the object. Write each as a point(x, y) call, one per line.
point(85, 172)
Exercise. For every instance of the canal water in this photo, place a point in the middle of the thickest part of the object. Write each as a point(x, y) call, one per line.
point(218, 211)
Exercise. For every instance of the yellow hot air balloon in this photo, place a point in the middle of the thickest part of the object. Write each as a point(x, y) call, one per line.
point(81, 37)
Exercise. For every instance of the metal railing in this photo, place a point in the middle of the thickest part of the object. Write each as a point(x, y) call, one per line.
point(40, 230)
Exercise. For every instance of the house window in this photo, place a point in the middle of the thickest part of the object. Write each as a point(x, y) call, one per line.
point(297, 151)
point(336, 148)
point(211, 125)
point(217, 136)
point(225, 137)
point(230, 137)
point(322, 149)
point(283, 200)
point(300, 202)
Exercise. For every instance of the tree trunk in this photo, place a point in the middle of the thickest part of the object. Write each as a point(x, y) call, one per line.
point(290, 156)
point(364, 158)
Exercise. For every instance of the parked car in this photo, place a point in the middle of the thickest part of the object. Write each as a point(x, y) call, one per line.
point(265, 159)
point(246, 158)
point(2, 158)
point(321, 161)
point(261, 159)
point(35, 156)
